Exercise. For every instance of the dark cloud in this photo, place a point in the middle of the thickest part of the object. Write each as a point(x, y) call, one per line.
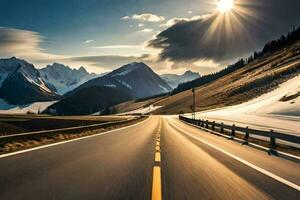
point(253, 23)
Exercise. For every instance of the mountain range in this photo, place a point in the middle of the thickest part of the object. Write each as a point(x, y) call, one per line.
point(21, 83)
point(174, 80)
point(132, 81)
point(79, 92)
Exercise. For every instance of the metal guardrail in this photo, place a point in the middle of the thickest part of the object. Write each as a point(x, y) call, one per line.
point(78, 128)
point(273, 135)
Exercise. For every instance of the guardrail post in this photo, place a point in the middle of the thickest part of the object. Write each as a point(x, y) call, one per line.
point(222, 129)
point(213, 126)
point(206, 125)
point(272, 140)
point(246, 134)
point(233, 131)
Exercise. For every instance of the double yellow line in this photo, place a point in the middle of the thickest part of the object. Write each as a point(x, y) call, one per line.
point(156, 182)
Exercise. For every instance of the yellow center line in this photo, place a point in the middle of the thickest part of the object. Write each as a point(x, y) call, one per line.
point(156, 184)
point(157, 157)
point(157, 148)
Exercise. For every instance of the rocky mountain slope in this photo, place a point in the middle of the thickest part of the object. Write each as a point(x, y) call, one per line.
point(21, 83)
point(65, 79)
point(137, 78)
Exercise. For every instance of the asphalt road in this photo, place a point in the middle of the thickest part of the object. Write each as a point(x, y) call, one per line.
point(119, 165)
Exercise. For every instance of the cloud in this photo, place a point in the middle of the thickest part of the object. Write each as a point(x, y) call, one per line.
point(145, 17)
point(176, 20)
point(222, 38)
point(125, 18)
point(24, 44)
point(88, 41)
point(119, 47)
point(110, 62)
point(147, 30)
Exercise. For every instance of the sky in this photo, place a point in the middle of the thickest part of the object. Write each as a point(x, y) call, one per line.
point(169, 35)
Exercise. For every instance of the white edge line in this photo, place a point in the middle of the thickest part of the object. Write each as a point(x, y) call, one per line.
point(265, 172)
point(67, 141)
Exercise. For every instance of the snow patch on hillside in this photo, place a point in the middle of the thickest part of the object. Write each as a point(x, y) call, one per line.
point(6, 108)
point(163, 88)
point(266, 111)
point(145, 110)
point(125, 84)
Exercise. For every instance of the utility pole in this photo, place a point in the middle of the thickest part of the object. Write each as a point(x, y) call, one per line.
point(194, 104)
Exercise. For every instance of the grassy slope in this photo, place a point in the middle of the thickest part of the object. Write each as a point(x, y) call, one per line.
point(255, 79)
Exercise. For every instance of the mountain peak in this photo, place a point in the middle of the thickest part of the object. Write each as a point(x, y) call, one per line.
point(126, 69)
point(190, 73)
point(82, 70)
point(138, 65)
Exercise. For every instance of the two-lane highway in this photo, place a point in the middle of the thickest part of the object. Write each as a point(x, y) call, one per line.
point(120, 165)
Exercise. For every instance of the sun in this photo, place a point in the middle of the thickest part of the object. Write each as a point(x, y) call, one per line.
point(225, 5)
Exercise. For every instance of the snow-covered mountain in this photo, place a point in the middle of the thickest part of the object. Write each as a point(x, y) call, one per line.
point(174, 80)
point(138, 78)
point(132, 81)
point(65, 79)
point(21, 83)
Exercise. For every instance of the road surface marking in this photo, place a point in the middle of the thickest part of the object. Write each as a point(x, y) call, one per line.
point(157, 157)
point(156, 184)
point(263, 171)
point(157, 148)
point(68, 141)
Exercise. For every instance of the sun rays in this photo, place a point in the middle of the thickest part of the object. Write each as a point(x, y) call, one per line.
point(229, 22)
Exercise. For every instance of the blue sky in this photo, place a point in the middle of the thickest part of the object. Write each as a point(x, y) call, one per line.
point(66, 24)
point(103, 34)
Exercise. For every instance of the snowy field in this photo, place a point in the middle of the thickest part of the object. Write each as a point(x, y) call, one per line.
point(266, 111)
point(6, 108)
point(145, 110)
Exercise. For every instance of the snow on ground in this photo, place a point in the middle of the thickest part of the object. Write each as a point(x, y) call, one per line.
point(6, 108)
point(266, 111)
point(145, 110)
